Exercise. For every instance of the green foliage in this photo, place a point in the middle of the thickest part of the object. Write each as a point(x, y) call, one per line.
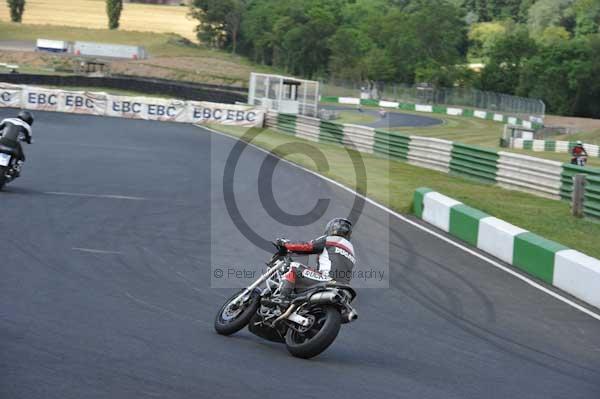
point(220, 21)
point(565, 75)
point(553, 34)
point(506, 56)
point(113, 10)
point(412, 41)
point(587, 17)
point(546, 13)
point(483, 35)
point(17, 7)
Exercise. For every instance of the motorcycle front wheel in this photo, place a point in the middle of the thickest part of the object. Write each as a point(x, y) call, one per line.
point(318, 337)
point(231, 319)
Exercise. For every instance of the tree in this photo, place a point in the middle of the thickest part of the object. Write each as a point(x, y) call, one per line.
point(17, 7)
point(587, 17)
point(501, 73)
point(113, 10)
point(553, 34)
point(220, 21)
point(426, 33)
point(564, 76)
point(545, 13)
point(483, 35)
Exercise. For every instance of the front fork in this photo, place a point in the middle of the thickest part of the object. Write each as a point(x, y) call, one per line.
point(242, 297)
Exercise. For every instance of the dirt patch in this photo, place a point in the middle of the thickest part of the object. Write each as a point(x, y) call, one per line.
point(578, 124)
point(196, 69)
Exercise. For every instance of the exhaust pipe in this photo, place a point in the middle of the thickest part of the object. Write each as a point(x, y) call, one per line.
point(351, 316)
point(325, 298)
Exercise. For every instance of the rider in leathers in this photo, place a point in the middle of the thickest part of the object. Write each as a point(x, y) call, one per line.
point(23, 122)
point(335, 262)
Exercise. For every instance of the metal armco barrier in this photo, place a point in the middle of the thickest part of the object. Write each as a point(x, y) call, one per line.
point(533, 175)
point(552, 146)
point(391, 145)
point(475, 162)
point(591, 197)
point(529, 174)
point(430, 153)
point(566, 189)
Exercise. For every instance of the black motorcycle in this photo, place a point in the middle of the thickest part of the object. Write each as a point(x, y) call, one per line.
point(9, 152)
point(307, 327)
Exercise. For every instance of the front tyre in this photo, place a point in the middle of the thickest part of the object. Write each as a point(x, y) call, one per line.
point(231, 319)
point(318, 337)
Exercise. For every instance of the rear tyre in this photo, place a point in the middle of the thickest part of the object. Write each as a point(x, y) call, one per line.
point(323, 332)
point(230, 320)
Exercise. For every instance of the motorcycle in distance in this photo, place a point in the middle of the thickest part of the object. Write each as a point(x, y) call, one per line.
point(580, 160)
point(307, 327)
point(9, 166)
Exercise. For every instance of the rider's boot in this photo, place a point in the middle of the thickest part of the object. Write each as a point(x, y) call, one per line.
point(285, 296)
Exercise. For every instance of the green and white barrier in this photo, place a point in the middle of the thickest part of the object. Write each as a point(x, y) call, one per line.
point(552, 146)
point(533, 122)
point(591, 197)
point(537, 176)
point(551, 262)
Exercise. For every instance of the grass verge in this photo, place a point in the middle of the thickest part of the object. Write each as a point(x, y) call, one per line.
point(485, 133)
point(392, 183)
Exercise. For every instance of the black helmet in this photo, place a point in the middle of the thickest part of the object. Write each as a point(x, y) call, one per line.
point(26, 117)
point(339, 227)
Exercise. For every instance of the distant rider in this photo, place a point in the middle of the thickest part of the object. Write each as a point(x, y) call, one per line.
point(335, 262)
point(23, 123)
point(578, 152)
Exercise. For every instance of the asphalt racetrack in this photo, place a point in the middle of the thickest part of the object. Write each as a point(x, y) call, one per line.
point(391, 119)
point(108, 242)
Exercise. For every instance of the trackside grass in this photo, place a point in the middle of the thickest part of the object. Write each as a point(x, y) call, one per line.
point(487, 133)
point(393, 183)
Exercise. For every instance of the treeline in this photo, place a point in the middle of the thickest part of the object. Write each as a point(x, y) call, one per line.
point(546, 49)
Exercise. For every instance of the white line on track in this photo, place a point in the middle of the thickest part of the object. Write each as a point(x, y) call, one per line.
point(96, 251)
point(428, 230)
point(101, 196)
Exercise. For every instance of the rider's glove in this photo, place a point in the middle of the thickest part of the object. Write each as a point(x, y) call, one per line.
point(280, 243)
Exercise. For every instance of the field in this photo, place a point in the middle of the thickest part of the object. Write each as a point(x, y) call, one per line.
point(171, 56)
point(393, 183)
point(92, 14)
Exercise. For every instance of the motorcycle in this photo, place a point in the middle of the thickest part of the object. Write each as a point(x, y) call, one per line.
point(580, 160)
point(10, 167)
point(307, 327)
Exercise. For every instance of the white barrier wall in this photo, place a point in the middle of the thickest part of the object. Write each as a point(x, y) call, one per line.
point(430, 153)
point(530, 174)
point(308, 128)
point(359, 137)
point(147, 108)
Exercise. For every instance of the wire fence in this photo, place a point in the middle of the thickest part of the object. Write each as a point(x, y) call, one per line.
point(426, 94)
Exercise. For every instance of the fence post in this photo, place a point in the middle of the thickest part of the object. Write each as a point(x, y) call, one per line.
point(578, 192)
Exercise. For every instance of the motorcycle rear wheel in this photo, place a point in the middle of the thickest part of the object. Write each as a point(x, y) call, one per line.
point(2, 177)
point(328, 321)
point(228, 322)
